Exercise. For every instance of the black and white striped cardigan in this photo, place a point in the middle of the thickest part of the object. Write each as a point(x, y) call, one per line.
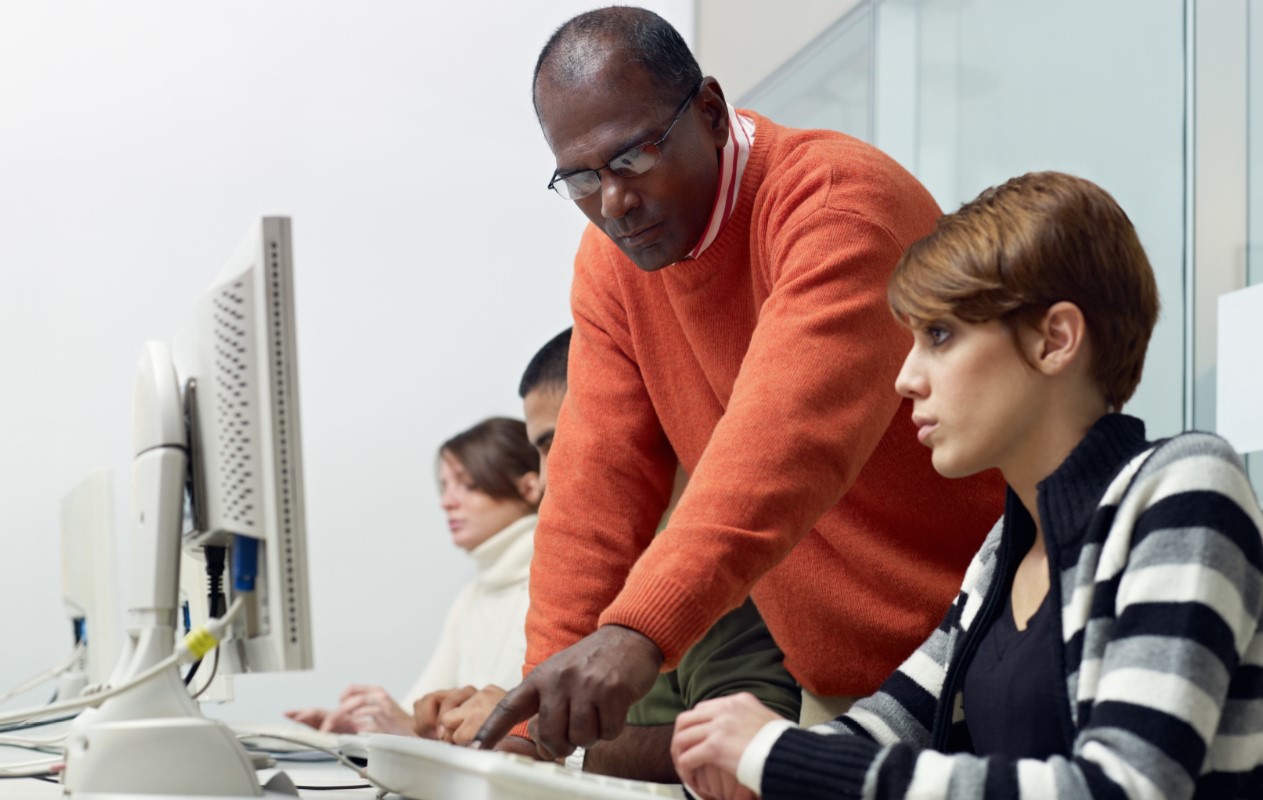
point(1159, 579)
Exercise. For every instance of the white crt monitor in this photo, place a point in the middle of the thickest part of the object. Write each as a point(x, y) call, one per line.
point(217, 424)
point(239, 373)
point(88, 581)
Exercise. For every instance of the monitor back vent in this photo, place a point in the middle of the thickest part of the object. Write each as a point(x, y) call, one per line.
point(238, 439)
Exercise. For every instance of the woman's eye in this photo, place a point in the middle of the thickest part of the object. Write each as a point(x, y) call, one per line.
point(937, 335)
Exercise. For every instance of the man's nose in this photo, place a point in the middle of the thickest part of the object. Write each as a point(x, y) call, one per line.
point(617, 196)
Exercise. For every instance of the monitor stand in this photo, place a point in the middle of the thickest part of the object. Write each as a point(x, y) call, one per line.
point(152, 739)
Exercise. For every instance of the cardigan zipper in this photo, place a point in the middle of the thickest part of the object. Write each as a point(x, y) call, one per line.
point(958, 666)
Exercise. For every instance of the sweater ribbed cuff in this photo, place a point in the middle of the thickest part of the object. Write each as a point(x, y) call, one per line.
point(662, 610)
point(811, 766)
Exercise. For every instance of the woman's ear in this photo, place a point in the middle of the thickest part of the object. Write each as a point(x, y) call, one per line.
point(531, 488)
point(1060, 338)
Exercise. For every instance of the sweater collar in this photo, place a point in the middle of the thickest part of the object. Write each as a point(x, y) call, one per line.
point(505, 558)
point(732, 166)
point(692, 274)
point(1071, 494)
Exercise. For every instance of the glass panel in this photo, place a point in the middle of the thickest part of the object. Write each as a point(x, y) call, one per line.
point(826, 85)
point(1254, 188)
point(968, 93)
point(1093, 89)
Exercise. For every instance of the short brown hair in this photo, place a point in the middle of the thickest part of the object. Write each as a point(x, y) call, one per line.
point(1020, 247)
point(495, 453)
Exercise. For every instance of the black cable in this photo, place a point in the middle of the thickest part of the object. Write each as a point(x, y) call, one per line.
point(301, 757)
point(214, 601)
point(21, 726)
point(335, 788)
point(215, 572)
point(188, 676)
point(214, 669)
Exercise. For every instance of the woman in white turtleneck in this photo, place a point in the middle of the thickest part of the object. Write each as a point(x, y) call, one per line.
point(490, 489)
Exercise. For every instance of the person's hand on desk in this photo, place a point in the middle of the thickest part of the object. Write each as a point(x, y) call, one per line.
point(430, 712)
point(454, 715)
point(459, 722)
point(579, 695)
point(361, 709)
point(710, 740)
point(311, 717)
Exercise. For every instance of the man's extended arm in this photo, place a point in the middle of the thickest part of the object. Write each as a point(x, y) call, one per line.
point(811, 402)
point(641, 752)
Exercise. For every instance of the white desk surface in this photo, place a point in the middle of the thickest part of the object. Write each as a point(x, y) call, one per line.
point(306, 775)
point(316, 774)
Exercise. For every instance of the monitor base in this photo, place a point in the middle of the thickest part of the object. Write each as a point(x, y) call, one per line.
point(183, 756)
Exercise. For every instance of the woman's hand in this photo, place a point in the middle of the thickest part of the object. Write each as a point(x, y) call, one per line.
point(367, 709)
point(427, 712)
point(459, 724)
point(312, 717)
point(709, 741)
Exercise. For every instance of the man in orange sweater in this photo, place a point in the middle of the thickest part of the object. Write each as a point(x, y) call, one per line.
point(730, 314)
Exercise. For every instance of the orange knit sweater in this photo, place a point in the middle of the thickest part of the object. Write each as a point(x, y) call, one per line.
point(767, 367)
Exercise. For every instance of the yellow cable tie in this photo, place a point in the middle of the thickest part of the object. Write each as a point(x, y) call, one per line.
point(200, 642)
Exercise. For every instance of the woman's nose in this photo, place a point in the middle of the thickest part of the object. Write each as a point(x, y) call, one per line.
point(910, 382)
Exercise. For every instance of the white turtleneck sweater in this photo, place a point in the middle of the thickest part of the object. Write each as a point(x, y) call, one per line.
point(484, 637)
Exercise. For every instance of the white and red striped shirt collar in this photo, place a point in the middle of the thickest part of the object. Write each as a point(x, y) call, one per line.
point(732, 165)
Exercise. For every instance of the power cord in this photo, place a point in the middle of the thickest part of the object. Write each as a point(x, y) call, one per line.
point(211, 678)
point(194, 646)
point(48, 674)
point(31, 769)
point(22, 726)
point(362, 772)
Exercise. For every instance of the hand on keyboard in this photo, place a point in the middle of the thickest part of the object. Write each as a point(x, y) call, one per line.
point(581, 694)
point(361, 709)
point(459, 724)
point(427, 712)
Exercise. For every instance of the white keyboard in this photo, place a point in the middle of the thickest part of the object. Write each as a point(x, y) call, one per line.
point(296, 738)
point(422, 769)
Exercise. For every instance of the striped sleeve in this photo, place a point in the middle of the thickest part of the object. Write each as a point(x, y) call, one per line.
point(1188, 597)
point(816, 762)
point(1171, 707)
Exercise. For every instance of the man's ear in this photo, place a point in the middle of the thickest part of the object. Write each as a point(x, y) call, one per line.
point(531, 488)
point(1059, 340)
point(715, 107)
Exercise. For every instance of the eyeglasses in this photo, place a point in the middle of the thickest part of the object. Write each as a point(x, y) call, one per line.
point(636, 161)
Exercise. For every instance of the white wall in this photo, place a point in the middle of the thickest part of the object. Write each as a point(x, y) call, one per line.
point(740, 42)
point(138, 140)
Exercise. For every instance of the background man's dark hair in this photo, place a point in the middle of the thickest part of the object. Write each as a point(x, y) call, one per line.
point(649, 42)
point(548, 367)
